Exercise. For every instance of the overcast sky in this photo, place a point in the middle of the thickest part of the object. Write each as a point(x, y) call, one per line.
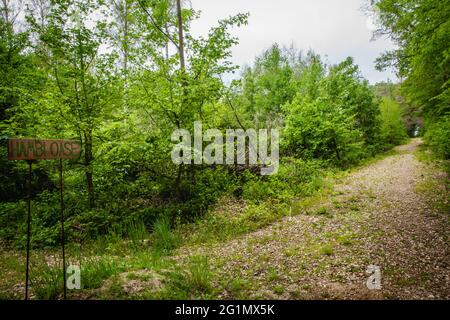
point(333, 28)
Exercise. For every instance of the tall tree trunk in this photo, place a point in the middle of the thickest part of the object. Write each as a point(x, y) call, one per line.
point(125, 53)
point(183, 82)
point(180, 36)
point(336, 149)
point(88, 157)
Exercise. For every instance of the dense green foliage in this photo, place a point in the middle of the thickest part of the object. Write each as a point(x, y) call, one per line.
point(337, 119)
point(421, 29)
point(393, 129)
point(120, 76)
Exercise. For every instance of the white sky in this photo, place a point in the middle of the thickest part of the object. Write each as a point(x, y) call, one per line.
point(333, 28)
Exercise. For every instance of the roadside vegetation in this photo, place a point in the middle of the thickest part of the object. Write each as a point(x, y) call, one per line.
point(132, 215)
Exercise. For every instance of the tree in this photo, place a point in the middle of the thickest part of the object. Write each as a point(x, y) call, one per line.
point(393, 131)
point(315, 129)
point(81, 77)
point(20, 82)
point(267, 86)
point(346, 87)
point(325, 119)
point(421, 30)
point(172, 88)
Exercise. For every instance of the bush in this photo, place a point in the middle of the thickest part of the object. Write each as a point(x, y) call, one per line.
point(295, 177)
point(393, 130)
point(320, 130)
point(438, 136)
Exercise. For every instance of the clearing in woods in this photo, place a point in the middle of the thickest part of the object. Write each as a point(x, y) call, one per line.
point(390, 214)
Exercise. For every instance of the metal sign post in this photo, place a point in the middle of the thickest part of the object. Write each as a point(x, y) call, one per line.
point(32, 150)
point(61, 186)
point(30, 162)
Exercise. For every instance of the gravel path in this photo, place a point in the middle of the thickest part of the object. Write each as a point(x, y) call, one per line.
point(375, 216)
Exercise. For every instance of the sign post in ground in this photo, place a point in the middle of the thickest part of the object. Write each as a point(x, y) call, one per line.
point(43, 149)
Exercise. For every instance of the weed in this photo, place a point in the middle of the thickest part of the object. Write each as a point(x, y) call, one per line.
point(237, 285)
point(164, 239)
point(278, 289)
point(272, 274)
point(327, 249)
point(345, 239)
point(323, 211)
point(94, 271)
point(200, 274)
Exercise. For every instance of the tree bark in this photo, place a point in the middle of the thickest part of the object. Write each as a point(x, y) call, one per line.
point(180, 37)
point(88, 157)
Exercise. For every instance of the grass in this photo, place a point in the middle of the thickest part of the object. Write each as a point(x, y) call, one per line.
point(327, 249)
point(436, 187)
point(346, 239)
point(291, 251)
point(94, 271)
point(200, 274)
point(278, 289)
point(238, 287)
point(48, 283)
point(337, 204)
point(216, 228)
point(323, 211)
point(164, 239)
point(273, 275)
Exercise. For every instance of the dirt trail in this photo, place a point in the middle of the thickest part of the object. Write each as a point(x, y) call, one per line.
point(375, 216)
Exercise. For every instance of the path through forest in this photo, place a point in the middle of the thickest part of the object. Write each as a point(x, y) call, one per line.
point(378, 215)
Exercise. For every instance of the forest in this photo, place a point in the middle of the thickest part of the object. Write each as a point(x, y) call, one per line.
point(120, 76)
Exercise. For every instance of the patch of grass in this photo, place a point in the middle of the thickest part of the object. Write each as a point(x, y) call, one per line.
point(135, 276)
point(48, 283)
point(337, 204)
point(291, 251)
point(306, 287)
point(177, 287)
point(186, 282)
point(115, 290)
point(436, 188)
point(296, 294)
point(237, 287)
point(323, 211)
point(272, 274)
point(164, 239)
point(278, 289)
point(425, 154)
point(137, 232)
point(407, 282)
point(200, 274)
point(11, 261)
point(94, 271)
point(215, 228)
point(265, 257)
point(346, 239)
point(307, 204)
point(262, 240)
point(327, 249)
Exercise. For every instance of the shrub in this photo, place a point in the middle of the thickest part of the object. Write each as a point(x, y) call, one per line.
point(438, 136)
point(295, 177)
